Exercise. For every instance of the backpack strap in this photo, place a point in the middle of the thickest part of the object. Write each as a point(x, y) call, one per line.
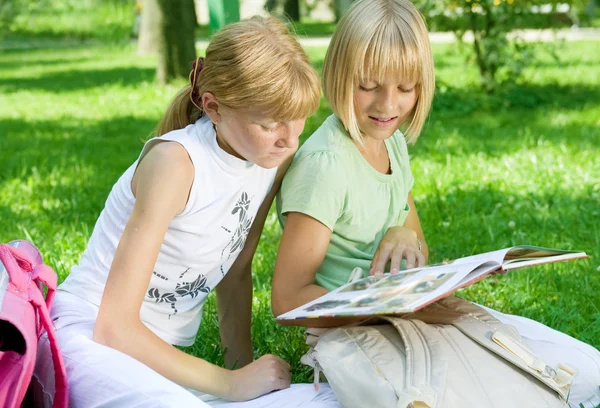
point(44, 274)
point(501, 339)
point(422, 359)
point(514, 351)
point(14, 266)
point(60, 374)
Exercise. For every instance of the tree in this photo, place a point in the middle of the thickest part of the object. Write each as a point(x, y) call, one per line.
point(148, 38)
point(171, 24)
point(291, 8)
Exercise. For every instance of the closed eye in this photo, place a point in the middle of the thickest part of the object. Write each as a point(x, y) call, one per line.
point(363, 88)
point(269, 128)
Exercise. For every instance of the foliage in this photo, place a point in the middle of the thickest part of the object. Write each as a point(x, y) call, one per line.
point(105, 20)
point(499, 54)
point(9, 9)
point(519, 166)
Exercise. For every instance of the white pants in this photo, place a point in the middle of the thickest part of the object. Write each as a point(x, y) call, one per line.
point(100, 376)
point(554, 347)
point(103, 377)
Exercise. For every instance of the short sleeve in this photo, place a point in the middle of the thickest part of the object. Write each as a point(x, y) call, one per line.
point(314, 185)
point(404, 160)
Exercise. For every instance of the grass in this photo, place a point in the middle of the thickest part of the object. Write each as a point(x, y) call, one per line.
point(491, 171)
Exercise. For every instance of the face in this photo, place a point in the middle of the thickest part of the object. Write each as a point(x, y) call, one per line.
point(252, 136)
point(381, 106)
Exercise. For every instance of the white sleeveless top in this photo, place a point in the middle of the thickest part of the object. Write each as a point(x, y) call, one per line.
point(200, 245)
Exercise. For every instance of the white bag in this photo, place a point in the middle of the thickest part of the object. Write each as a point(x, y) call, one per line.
point(450, 354)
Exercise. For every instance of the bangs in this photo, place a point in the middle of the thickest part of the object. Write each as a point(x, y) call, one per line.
point(392, 51)
point(294, 95)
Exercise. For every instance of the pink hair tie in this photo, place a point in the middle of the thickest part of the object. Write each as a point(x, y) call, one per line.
point(197, 66)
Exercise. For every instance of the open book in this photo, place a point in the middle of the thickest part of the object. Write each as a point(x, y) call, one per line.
point(413, 289)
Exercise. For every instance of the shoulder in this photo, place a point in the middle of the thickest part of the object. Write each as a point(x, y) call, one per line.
point(168, 157)
point(330, 136)
point(166, 167)
point(328, 146)
point(399, 145)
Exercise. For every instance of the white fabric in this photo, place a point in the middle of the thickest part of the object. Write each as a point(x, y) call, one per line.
point(200, 244)
point(554, 347)
point(100, 376)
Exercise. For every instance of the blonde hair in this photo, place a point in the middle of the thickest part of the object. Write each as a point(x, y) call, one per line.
point(252, 64)
point(375, 38)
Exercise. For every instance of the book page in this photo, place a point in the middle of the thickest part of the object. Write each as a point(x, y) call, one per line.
point(478, 274)
point(494, 256)
point(403, 292)
point(522, 263)
point(532, 252)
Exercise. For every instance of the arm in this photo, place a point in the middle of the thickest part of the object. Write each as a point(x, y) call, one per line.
point(161, 185)
point(401, 242)
point(234, 292)
point(301, 251)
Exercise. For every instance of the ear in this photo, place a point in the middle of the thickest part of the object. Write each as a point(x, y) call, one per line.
point(211, 106)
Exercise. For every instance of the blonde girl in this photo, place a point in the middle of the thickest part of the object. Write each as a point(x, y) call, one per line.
point(184, 218)
point(346, 200)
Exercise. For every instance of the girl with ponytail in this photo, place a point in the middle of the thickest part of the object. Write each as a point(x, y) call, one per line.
point(184, 218)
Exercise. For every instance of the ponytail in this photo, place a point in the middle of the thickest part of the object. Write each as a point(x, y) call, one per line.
point(180, 113)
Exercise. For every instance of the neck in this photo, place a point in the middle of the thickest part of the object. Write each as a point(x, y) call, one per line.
point(226, 147)
point(371, 146)
point(376, 154)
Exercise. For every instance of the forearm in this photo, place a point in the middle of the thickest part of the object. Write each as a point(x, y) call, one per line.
point(139, 342)
point(284, 300)
point(234, 303)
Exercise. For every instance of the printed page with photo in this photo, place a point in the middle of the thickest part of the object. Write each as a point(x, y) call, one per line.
point(403, 292)
point(413, 289)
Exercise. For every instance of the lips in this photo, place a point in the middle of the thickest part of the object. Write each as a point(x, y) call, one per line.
point(383, 121)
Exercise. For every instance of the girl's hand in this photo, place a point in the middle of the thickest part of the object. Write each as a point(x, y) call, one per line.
point(268, 373)
point(398, 243)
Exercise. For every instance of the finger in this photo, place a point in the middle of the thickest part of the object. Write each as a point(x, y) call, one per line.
point(284, 375)
point(396, 259)
point(374, 262)
point(383, 257)
point(281, 361)
point(279, 380)
point(281, 384)
point(410, 259)
point(420, 259)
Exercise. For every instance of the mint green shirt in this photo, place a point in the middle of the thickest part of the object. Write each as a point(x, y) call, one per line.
point(332, 182)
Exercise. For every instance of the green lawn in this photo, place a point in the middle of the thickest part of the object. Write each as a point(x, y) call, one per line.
point(491, 171)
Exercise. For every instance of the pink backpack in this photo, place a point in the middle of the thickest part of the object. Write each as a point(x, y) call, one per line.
point(23, 315)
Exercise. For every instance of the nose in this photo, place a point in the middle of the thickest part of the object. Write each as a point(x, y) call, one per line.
point(387, 99)
point(288, 138)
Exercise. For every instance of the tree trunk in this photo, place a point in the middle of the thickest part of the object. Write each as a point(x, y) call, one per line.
point(176, 47)
point(149, 28)
point(291, 8)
